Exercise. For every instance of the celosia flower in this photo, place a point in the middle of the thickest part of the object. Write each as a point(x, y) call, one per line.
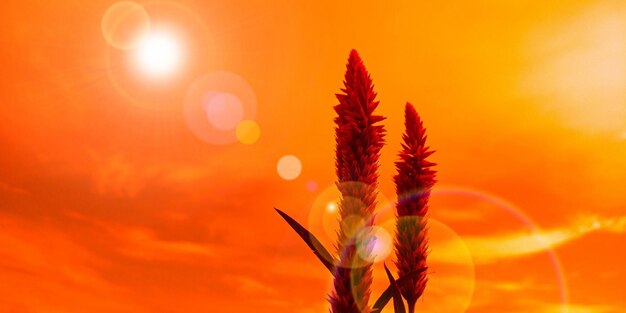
point(359, 141)
point(413, 183)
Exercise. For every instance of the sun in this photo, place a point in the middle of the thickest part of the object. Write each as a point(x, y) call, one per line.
point(158, 54)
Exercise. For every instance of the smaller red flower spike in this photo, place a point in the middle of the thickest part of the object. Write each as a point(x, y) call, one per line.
point(413, 183)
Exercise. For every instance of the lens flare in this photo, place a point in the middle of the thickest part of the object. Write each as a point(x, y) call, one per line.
point(324, 214)
point(452, 277)
point(473, 205)
point(221, 120)
point(323, 219)
point(352, 224)
point(224, 110)
point(331, 207)
point(123, 23)
point(248, 132)
point(311, 185)
point(374, 244)
point(158, 54)
point(160, 92)
point(289, 167)
point(451, 270)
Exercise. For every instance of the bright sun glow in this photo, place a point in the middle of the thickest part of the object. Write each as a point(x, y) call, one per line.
point(158, 54)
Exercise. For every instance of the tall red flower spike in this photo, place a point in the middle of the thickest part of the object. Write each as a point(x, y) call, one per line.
point(359, 142)
point(413, 183)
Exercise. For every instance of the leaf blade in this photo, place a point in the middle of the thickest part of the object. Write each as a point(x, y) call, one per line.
point(398, 304)
point(384, 298)
point(311, 241)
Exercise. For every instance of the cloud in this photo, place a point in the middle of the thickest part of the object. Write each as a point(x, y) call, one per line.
point(577, 67)
point(7, 188)
point(25, 251)
point(511, 285)
point(143, 243)
point(547, 307)
point(488, 249)
point(41, 262)
point(522, 303)
point(119, 176)
point(251, 286)
point(589, 223)
point(528, 295)
point(582, 308)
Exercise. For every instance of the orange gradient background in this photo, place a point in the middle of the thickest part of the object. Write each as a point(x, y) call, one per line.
point(109, 202)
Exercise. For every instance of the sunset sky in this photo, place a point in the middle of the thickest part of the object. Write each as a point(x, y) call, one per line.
point(131, 184)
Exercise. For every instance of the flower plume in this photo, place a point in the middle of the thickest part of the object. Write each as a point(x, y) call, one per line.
point(413, 183)
point(358, 144)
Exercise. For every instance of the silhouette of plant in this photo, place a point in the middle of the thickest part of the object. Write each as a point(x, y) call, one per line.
point(358, 143)
point(413, 183)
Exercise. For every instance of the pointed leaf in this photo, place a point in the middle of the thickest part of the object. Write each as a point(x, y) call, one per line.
point(398, 304)
point(388, 293)
point(315, 245)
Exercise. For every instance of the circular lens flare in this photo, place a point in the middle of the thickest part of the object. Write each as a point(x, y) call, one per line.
point(135, 85)
point(374, 244)
point(289, 167)
point(311, 185)
point(486, 203)
point(324, 217)
point(158, 54)
point(331, 207)
point(248, 132)
point(224, 110)
point(225, 123)
point(124, 22)
point(451, 269)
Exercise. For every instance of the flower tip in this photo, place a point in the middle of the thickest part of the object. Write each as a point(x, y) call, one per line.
point(354, 57)
point(409, 108)
point(410, 113)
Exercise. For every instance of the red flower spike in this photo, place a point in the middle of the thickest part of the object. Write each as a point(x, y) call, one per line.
point(358, 147)
point(413, 182)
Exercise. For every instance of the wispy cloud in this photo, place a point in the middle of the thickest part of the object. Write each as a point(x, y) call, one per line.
point(529, 295)
point(577, 65)
point(41, 262)
point(145, 244)
point(514, 285)
point(251, 286)
point(117, 175)
point(487, 249)
point(7, 188)
point(547, 307)
point(582, 308)
point(519, 302)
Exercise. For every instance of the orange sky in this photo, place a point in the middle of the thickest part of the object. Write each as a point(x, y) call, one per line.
point(109, 202)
